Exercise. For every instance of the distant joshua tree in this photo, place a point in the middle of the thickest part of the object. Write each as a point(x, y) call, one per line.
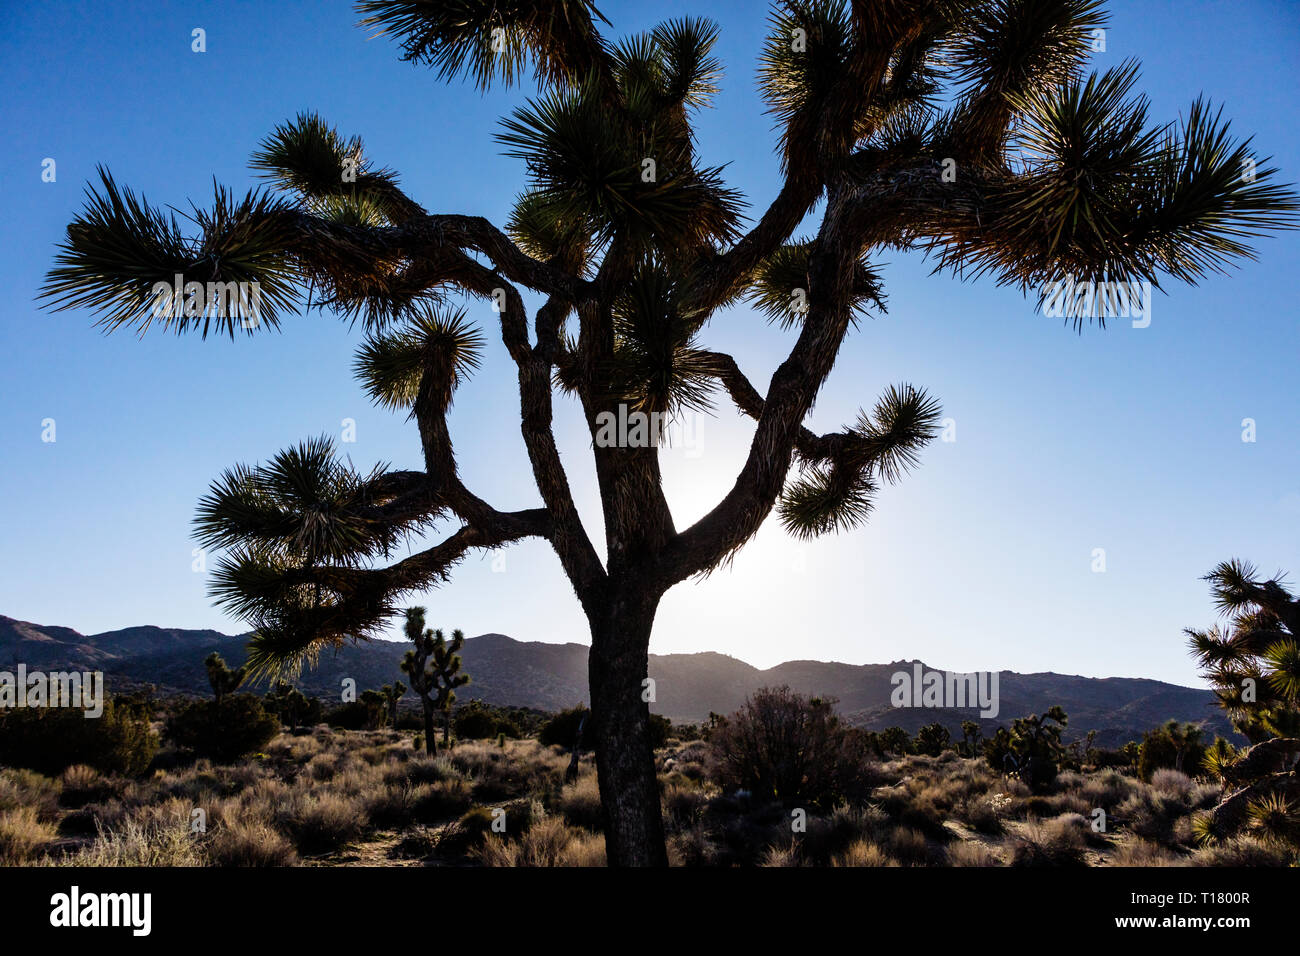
point(932, 739)
point(392, 694)
point(434, 669)
point(223, 680)
point(970, 739)
point(962, 128)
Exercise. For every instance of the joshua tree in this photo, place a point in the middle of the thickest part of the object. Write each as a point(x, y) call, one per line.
point(392, 694)
point(289, 704)
point(932, 739)
point(1036, 743)
point(896, 740)
point(434, 669)
point(970, 739)
point(223, 680)
point(963, 128)
point(1252, 661)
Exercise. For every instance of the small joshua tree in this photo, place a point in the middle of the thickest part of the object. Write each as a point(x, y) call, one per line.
point(932, 739)
point(289, 704)
point(376, 704)
point(392, 694)
point(970, 739)
point(434, 669)
point(223, 679)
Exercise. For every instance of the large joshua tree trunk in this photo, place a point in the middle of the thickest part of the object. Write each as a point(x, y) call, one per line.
point(629, 789)
point(430, 733)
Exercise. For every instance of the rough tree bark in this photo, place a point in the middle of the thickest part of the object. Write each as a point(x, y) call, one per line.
point(629, 788)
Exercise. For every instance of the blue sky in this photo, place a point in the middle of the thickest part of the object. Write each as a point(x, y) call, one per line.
point(1124, 439)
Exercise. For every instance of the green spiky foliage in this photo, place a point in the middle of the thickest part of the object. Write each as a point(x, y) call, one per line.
point(971, 130)
point(223, 679)
point(433, 666)
point(1252, 661)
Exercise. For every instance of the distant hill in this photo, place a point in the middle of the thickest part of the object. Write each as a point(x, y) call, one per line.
point(554, 676)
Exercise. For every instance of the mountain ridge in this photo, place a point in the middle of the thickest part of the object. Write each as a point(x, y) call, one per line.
point(548, 676)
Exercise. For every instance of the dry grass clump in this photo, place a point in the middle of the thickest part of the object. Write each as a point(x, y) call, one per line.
point(22, 835)
point(549, 842)
point(1172, 783)
point(971, 853)
point(1139, 852)
point(1058, 842)
point(436, 802)
point(1244, 850)
point(863, 853)
point(908, 846)
point(141, 841)
point(580, 805)
point(27, 788)
point(1108, 789)
point(251, 843)
point(322, 822)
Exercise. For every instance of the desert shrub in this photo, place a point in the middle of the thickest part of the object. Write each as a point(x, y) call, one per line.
point(27, 788)
point(1139, 852)
point(683, 802)
point(1108, 789)
point(92, 818)
point(1173, 783)
point(460, 837)
point(252, 843)
point(51, 739)
point(322, 822)
point(580, 804)
point(1059, 842)
point(354, 715)
point(863, 853)
point(82, 784)
point(550, 842)
point(1177, 746)
point(148, 841)
point(691, 847)
point(1244, 851)
point(971, 853)
point(785, 747)
point(984, 814)
point(420, 843)
point(908, 846)
point(440, 801)
point(223, 730)
point(392, 805)
point(782, 855)
point(479, 721)
point(1152, 815)
point(562, 729)
point(835, 833)
point(22, 835)
point(421, 768)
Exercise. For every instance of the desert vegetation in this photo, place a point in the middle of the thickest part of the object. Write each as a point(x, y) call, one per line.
point(781, 782)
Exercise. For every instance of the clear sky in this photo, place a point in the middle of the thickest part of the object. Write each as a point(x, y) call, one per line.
point(1124, 439)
